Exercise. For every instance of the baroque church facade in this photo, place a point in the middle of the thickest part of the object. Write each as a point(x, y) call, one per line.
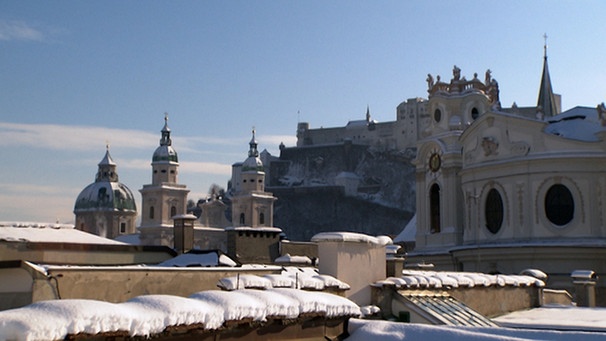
point(504, 189)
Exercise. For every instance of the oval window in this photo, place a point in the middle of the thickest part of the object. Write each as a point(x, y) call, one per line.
point(437, 115)
point(559, 205)
point(494, 211)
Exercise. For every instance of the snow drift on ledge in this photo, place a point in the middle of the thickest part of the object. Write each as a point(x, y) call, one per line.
point(152, 314)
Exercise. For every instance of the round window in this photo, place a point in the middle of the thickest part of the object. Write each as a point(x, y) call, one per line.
point(494, 211)
point(437, 115)
point(559, 205)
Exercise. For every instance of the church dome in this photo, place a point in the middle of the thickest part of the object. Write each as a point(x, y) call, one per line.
point(165, 152)
point(253, 163)
point(105, 196)
point(106, 193)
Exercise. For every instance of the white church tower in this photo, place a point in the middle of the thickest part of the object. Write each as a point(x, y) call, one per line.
point(251, 205)
point(452, 107)
point(164, 198)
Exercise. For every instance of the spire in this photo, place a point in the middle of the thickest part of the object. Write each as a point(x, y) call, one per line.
point(253, 152)
point(107, 168)
point(367, 113)
point(165, 140)
point(546, 101)
point(107, 159)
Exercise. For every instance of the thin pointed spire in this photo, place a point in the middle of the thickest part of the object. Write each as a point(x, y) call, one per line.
point(107, 159)
point(165, 140)
point(253, 151)
point(546, 102)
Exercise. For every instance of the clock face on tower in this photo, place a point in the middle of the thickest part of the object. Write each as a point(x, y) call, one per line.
point(435, 162)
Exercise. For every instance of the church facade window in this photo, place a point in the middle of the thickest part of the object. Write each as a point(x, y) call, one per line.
point(434, 208)
point(559, 205)
point(151, 212)
point(493, 211)
point(241, 218)
point(437, 115)
point(474, 113)
point(173, 211)
point(262, 218)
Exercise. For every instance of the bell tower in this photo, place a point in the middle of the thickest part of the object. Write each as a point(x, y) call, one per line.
point(164, 197)
point(251, 205)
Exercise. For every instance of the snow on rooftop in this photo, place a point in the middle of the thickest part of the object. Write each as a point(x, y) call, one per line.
point(409, 232)
point(50, 233)
point(254, 229)
point(557, 317)
point(152, 314)
point(287, 258)
point(578, 123)
point(450, 279)
point(291, 277)
point(363, 330)
point(351, 237)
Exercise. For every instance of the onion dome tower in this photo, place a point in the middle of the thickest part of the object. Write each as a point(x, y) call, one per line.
point(251, 205)
point(164, 197)
point(106, 207)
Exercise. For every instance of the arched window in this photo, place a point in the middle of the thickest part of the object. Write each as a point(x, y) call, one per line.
point(261, 218)
point(173, 211)
point(241, 218)
point(559, 205)
point(434, 208)
point(474, 113)
point(494, 211)
point(151, 212)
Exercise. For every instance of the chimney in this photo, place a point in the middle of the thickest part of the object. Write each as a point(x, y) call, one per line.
point(584, 287)
point(356, 259)
point(183, 229)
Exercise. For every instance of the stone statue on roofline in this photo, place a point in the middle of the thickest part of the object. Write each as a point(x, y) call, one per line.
point(488, 78)
point(456, 73)
point(429, 81)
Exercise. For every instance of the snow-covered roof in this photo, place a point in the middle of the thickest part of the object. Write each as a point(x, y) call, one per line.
point(287, 258)
point(152, 314)
point(412, 279)
point(291, 277)
point(362, 330)
point(49, 233)
point(258, 229)
point(409, 232)
point(557, 317)
point(578, 123)
point(351, 237)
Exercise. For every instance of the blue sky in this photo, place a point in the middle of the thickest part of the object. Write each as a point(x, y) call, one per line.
point(75, 75)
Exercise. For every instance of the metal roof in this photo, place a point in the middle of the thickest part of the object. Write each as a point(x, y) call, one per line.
point(448, 310)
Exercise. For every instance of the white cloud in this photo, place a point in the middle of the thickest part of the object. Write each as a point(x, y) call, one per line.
point(19, 30)
point(40, 203)
point(205, 168)
point(63, 137)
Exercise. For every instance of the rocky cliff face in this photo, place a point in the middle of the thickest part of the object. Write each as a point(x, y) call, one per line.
point(342, 187)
